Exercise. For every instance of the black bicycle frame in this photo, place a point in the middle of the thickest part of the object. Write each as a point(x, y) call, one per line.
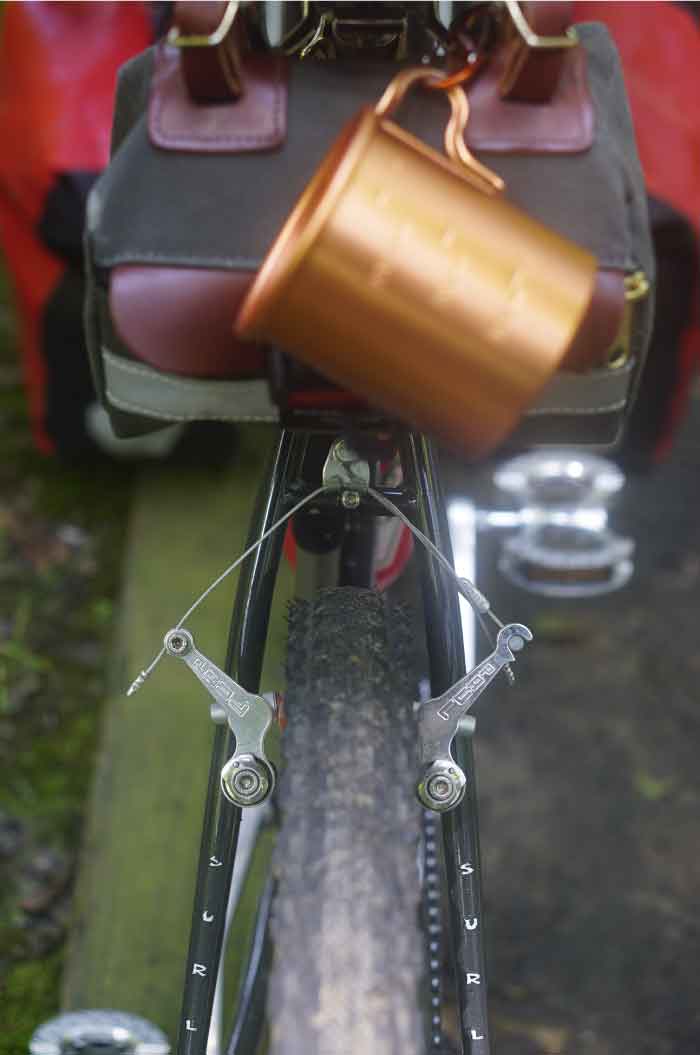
point(420, 496)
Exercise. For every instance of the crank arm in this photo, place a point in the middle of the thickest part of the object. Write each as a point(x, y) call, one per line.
point(248, 777)
point(443, 783)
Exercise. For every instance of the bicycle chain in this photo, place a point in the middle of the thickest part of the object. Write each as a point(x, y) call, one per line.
point(433, 917)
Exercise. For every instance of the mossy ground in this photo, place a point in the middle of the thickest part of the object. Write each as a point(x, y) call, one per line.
point(61, 534)
point(62, 569)
point(30, 993)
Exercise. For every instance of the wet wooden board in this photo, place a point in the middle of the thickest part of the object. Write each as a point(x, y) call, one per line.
point(136, 881)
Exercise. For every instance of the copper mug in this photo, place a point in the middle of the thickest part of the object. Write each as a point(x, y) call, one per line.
point(402, 275)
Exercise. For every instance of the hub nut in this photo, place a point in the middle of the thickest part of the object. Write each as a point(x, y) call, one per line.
point(246, 781)
point(443, 785)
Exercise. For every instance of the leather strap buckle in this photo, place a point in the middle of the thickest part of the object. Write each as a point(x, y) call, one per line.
point(206, 40)
point(569, 39)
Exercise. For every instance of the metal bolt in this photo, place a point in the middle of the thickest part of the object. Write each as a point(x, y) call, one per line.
point(443, 785)
point(178, 642)
point(439, 788)
point(350, 499)
point(246, 780)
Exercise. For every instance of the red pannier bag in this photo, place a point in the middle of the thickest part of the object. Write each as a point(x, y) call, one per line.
point(58, 69)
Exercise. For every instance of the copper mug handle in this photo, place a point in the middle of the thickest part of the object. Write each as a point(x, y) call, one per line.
point(483, 178)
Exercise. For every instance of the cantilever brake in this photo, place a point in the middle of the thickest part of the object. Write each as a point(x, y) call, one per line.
point(443, 783)
point(248, 777)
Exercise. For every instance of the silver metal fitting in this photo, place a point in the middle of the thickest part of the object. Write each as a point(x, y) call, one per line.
point(443, 785)
point(474, 596)
point(178, 642)
point(105, 1031)
point(345, 468)
point(563, 546)
point(350, 499)
point(246, 780)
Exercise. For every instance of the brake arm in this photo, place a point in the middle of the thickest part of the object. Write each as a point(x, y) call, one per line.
point(443, 783)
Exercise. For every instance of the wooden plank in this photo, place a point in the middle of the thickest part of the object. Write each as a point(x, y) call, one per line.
point(134, 894)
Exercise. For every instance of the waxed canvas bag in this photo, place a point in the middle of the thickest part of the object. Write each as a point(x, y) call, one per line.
point(197, 191)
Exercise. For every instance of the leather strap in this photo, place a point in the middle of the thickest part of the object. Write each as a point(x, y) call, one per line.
point(212, 73)
point(565, 125)
point(600, 325)
point(532, 74)
point(258, 121)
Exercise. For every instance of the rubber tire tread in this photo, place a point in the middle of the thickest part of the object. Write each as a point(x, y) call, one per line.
point(349, 955)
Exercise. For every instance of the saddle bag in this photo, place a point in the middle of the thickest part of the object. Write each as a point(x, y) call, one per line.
point(204, 174)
